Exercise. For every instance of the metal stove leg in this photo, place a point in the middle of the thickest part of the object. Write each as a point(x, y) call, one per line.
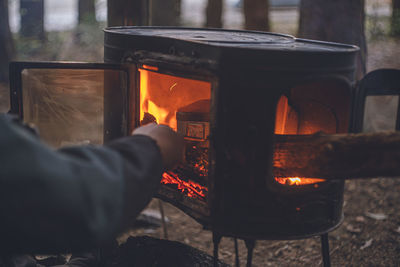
point(237, 262)
point(250, 244)
point(325, 250)
point(164, 223)
point(216, 241)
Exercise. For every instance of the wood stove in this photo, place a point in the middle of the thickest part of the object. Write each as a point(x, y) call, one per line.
point(233, 95)
point(257, 85)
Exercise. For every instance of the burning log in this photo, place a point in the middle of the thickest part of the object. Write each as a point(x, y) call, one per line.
point(339, 156)
point(188, 187)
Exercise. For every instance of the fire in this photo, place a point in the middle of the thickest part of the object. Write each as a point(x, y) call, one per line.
point(161, 95)
point(286, 122)
point(297, 180)
point(160, 113)
point(190, 188)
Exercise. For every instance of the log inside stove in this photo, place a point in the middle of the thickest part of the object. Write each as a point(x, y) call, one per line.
point(338, 156)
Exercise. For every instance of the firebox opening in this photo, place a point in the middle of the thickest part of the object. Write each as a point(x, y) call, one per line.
point(184, 105)
point(287, 122)
point(309, 109)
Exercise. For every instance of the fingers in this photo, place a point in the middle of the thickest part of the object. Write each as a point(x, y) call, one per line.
point(171, 143)
point(144, 129)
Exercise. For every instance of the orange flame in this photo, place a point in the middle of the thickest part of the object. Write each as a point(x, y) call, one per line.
point(161, 95)
point(191, 188)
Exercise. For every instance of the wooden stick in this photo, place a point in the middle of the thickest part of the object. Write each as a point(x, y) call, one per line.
point(339, 156)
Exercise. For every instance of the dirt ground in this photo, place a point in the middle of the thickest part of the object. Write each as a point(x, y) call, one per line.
point(369, 235)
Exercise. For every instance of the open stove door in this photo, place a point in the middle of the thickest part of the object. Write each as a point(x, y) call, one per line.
point(71, 103)
point(377, 102)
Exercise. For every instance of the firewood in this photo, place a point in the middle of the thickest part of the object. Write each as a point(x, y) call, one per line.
point(338, 156)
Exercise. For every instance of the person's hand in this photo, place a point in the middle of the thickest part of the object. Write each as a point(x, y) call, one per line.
point(170, 143)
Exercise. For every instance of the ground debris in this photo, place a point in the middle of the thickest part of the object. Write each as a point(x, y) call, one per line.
point(367, 244)
point(279, 250)
point(376, 216)
point(353, 229)
point(360, 219)
point(149, 218)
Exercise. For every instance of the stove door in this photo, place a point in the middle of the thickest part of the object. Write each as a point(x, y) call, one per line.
point(377, 103)
point(71, 103)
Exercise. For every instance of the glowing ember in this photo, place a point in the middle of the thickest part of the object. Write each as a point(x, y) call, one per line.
point(298, 180)
point(190, 188)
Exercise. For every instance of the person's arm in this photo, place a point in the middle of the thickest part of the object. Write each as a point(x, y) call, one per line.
point(75, 197)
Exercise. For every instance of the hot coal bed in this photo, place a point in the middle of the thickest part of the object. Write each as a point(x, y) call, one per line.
point(233, 95)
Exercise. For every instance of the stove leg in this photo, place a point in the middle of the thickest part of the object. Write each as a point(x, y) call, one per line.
point(250, 244)
point(237, 262)
point(216, 241)
point(325, 250)
point(164, 223)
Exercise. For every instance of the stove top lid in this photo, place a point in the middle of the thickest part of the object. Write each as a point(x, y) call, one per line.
point(233, 38)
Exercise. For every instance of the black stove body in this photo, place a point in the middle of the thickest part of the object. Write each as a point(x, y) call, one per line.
point(251, 76)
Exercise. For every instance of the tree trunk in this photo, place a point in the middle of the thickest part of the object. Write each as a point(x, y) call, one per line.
point(256, 15)
point(214, 14)
point(127, 12)
point(395, 22)
point(165, 12)
point(6, 42)
point(32, 19)
point(86, 11)
point(335, 21)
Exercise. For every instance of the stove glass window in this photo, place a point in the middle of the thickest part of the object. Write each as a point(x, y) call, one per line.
point(66, 105)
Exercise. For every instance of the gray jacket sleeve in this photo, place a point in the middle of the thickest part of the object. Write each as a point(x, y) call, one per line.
point(72, 198)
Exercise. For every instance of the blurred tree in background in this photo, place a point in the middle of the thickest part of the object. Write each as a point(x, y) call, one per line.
point(256, 15)
point(165, 12)
point(87, 22)
point(214, 14)
point(335, 21)
point(395, 21)
point(86, 11)
point(143, 12)
point(6, 41)
point(127, 12)
point(32, 19)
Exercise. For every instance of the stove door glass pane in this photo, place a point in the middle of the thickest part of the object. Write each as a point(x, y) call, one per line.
point(66, 105)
